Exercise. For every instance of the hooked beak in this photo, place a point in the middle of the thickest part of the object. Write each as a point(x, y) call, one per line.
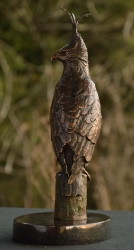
point(54, 57)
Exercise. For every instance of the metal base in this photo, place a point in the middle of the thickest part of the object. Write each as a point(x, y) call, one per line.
point(42, 229)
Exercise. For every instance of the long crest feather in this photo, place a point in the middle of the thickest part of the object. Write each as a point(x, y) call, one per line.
point(75, 21)
point(72, 17)
point(85, 15)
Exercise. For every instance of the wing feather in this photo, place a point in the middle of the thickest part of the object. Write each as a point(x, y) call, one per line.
point(75, 118)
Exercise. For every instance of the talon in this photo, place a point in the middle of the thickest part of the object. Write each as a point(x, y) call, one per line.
point(88, 175)
point(70, 182)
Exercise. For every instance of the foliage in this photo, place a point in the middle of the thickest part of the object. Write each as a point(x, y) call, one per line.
point(31, 31)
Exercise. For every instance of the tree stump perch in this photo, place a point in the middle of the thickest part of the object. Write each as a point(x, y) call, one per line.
point(70, 199)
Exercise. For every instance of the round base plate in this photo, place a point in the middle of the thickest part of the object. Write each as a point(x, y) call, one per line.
point(42, 229)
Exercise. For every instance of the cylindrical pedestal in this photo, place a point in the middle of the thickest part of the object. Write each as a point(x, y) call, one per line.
point(70, 200)
point(42, 229)
point(69, 224)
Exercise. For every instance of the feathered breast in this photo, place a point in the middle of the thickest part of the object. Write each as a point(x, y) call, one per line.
point(75, 117)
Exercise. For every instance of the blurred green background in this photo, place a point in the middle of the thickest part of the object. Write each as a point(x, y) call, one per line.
point(30, 32)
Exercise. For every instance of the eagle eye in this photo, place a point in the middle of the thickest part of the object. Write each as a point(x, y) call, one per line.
point(63, 53)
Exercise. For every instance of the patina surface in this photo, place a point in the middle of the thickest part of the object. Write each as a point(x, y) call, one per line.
point(75, 126)
point(75, 116)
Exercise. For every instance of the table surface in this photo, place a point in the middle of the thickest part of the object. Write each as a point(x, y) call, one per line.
point(122, 226)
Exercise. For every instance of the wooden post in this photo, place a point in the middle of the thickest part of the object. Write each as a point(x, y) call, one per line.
point(70, 199)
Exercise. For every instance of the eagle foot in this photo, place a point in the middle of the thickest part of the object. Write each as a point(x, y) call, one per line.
point(88, 175)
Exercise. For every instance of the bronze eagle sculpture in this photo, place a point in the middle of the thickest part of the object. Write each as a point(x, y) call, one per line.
point(75, 114)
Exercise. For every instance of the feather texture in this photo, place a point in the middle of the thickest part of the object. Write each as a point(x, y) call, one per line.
point(75, 114)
